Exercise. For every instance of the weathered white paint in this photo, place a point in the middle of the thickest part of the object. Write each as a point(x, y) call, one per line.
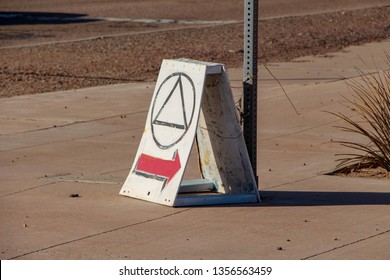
point(223, 154)
point(192, 97)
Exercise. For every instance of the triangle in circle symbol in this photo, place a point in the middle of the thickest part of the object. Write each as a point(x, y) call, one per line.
point(173, 111)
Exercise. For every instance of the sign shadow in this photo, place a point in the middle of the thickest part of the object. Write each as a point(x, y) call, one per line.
point(317, 198)
point(273, 198)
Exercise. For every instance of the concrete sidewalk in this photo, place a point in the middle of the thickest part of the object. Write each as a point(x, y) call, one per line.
point(83, 142)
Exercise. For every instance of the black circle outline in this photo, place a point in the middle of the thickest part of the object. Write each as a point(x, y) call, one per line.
point(192, 113)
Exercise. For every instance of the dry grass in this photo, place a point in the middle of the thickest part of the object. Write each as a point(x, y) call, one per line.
point(370, 99)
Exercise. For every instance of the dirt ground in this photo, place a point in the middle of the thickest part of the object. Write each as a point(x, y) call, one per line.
point(30, 61)
point(363, 172)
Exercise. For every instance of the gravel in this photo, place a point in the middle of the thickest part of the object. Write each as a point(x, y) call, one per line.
point(137, 56)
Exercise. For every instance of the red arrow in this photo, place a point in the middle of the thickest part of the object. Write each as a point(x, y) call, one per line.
point(158, 168)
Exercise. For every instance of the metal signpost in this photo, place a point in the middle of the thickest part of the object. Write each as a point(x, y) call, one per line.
point(250, 80)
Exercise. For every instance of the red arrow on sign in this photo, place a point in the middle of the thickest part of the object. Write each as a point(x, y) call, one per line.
point(158, 168)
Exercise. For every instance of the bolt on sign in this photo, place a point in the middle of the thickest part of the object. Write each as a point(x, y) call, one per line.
point(192, 99)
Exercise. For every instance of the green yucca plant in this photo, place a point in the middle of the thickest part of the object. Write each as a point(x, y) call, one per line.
point(371, 101)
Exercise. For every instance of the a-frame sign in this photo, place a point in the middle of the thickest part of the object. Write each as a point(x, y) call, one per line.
point(192, 99)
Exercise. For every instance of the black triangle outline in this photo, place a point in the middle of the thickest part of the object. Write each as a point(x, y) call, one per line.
point(175, 125)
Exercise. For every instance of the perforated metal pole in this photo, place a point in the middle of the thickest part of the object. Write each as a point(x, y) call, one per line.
point(250, 80)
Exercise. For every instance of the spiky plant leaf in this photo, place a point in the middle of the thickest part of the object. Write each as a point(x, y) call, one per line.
point(370, 100)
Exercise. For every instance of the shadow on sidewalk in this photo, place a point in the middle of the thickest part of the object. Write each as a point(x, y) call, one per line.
point(310, 198)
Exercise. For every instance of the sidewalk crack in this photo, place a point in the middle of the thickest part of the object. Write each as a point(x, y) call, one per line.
point(345, 245)
point(98, 234)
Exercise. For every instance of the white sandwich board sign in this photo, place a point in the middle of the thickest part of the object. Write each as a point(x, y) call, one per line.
point(192, 99)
